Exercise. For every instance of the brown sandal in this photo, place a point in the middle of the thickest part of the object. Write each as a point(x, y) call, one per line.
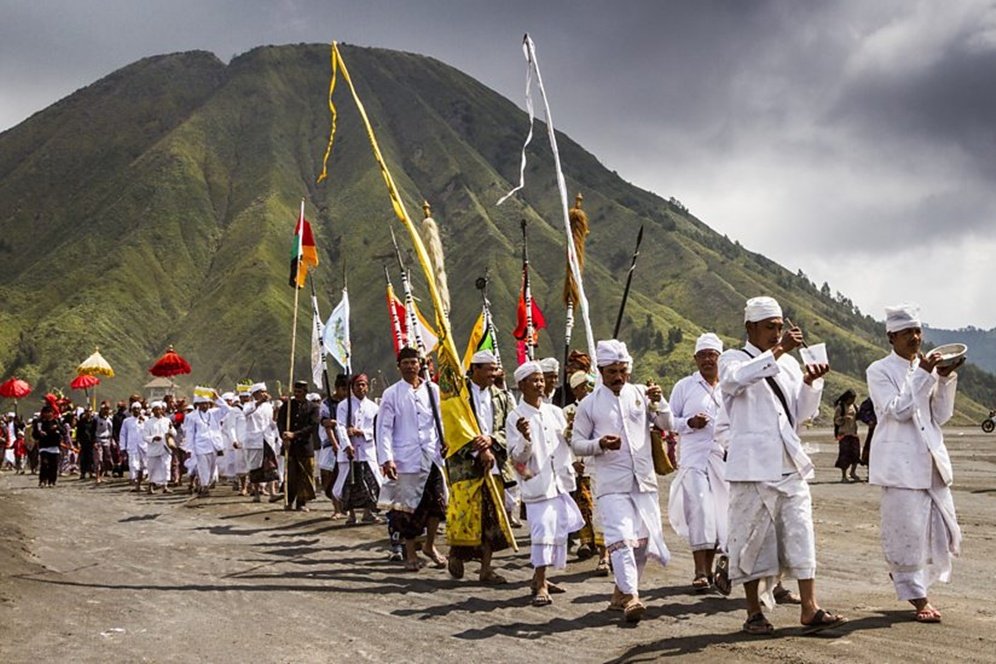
point(758, 625)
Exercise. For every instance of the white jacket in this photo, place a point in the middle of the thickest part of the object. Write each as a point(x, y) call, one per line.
point(911, 406)
point(546, 457)
point(628, 416)
point(130, 439)
point(364, 414)
point(406, 430)
point(759, 433)
point(157, 427)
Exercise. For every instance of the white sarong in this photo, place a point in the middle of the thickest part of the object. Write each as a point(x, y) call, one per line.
point(771, 533)
point(207, 468)
point(920, 537)
point(698, 505)
point(136, 463)
point(254, 458)
point(159, 467)
point(550, 522)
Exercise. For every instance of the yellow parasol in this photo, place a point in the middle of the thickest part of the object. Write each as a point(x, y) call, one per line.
point(95, 365)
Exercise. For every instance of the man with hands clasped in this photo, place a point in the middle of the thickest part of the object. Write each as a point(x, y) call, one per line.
point(612, 426)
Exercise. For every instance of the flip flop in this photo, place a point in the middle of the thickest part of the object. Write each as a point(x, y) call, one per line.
point(928, 614)
point(721, 579)
point(438, 561)
point(758, 625)
point(786, 596)
point(821, 621)
point(700, 582)
point(542, 598)
point(602, 568)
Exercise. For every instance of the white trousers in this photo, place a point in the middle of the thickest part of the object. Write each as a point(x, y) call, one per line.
point(550, 522)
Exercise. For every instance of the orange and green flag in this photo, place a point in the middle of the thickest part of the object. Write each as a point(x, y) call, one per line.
point(304, 254)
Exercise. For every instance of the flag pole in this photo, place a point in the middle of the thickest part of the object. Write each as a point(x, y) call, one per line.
point(290, 379)
point(527, 296)
point(629, 281)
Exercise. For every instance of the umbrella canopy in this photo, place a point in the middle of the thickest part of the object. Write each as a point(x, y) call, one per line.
point(84, 382)
point(15, 388)
point(95, 365)
point(170, 364)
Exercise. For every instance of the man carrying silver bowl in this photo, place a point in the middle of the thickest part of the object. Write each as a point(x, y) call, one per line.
point(914, 396)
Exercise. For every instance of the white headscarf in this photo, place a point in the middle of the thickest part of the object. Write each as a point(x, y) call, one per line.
point(761, 308)
point(527, 369)
point(709, 341)
point(484, 357)
point(901, 317)
point(550, 365)
point(610, 351)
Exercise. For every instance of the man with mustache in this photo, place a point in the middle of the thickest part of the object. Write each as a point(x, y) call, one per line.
point(612, 425)
point(766, 398)
point(914, 396)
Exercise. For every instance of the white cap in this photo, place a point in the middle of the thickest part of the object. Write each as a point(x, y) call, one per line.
point(709, 341)
point(484, 357)
point(134, 405)
point(550, 365)
point(610, 351)
point(901, 317)
point(228, 396)
point(761, 308)
point(157, 404)
point(257, 387)
point(577, 378)
point(527, 369)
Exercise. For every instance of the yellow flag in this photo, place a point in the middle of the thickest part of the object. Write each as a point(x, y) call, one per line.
point(475, 340)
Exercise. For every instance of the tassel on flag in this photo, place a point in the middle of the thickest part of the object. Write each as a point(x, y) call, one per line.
point(304, 254)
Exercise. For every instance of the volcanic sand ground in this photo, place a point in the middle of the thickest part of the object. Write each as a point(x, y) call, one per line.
point(97, 574)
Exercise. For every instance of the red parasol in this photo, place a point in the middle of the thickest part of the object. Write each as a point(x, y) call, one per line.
point(84, 382)
point(170, 364)
point(15, 388)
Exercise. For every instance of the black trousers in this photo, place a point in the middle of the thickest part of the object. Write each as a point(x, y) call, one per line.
point(48, 468)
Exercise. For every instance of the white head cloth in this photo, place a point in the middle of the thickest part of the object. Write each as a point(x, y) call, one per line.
point(134, 405)
point(550, 365)
point(901, 317)
point(610, 351)
point(257, 387)
point(527, 369)
point(761, 308)
point(157, 404)
point(484, 357)
point(709, 341)
point(228, 396)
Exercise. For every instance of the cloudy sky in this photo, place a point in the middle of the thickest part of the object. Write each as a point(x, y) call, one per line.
point(853, 140)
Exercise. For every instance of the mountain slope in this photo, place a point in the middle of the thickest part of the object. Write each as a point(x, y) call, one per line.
point(156, 206)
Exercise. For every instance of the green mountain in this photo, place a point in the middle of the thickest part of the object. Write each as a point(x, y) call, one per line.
point(157, 206)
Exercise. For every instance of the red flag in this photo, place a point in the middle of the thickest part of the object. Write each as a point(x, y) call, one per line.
point(304, 254)
point(399, 319)
point(520, 319)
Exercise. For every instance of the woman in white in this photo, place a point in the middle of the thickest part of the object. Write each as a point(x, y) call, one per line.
point(699, 496)
point(158, 433)
point(542, 458)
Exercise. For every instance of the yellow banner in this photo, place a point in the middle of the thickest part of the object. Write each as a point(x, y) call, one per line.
point(459, 423)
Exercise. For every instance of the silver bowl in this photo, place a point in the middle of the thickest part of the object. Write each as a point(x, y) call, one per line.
point(950, 354)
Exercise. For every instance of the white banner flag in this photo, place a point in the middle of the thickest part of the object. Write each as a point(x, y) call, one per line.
point(336, 335)
point(317, 355)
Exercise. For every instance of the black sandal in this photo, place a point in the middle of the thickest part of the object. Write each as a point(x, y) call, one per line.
point(758, 625)
point(721, 579)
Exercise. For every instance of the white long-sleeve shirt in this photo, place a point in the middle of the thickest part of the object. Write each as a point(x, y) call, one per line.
point(763, 441)
point(629, 416)
point(157, 427)
point(203, 430)
point(406, 428)
point(911, 406)
point(546, 456)
point(130, 439)
point(690, 396)
point(259, 425)
point(363, 413)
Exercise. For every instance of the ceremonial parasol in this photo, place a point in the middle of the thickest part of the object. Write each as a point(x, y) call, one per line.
point(169, 365)
point(15, 389)
point(84, 382)
point(95, 365)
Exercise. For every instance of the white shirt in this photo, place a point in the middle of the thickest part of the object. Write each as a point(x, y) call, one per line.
point(364, 413)
point(482, 407)
point(544, 461)
point(157, 427)
point(406, 429)
point(204, 429)
point(259, 424)
point(763, 443)
point(130, 439)
point(690, 396)
point(911, 406)
point(629, 416)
